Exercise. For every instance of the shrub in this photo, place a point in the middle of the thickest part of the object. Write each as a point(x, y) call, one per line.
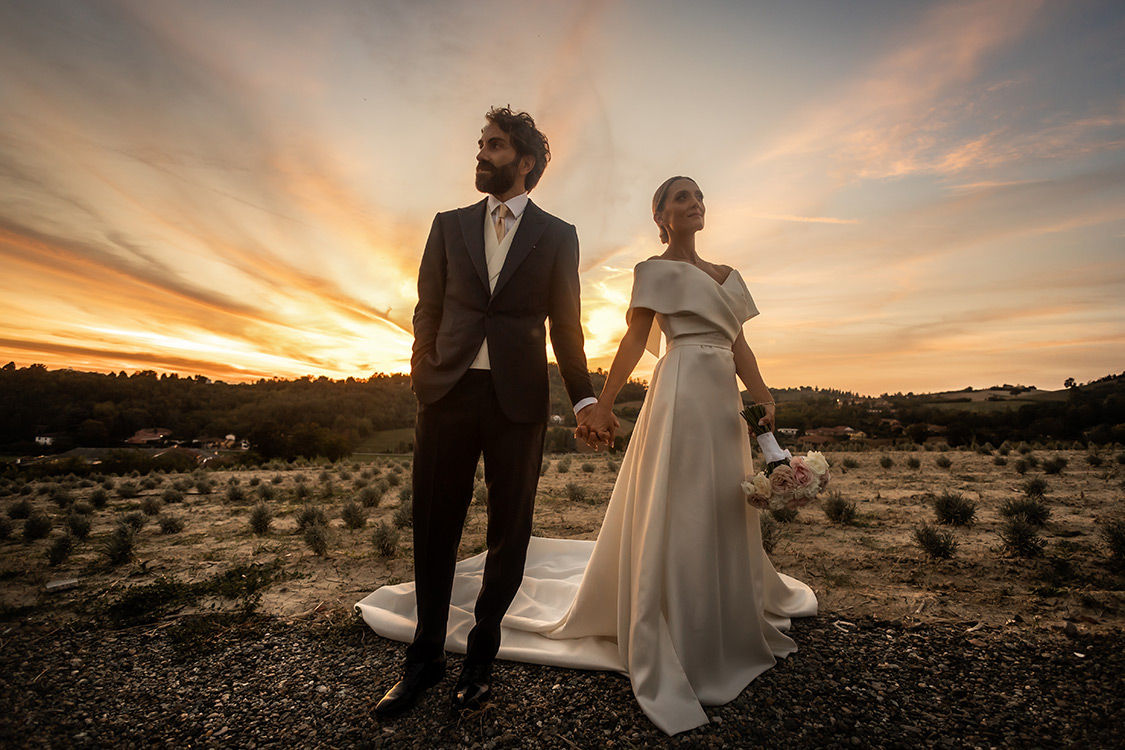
point(999, 461)
point(36, 526)
point(170, 524)
point(1054, 465)
point(1034, 487)
point(128, 489)
point(838, 509)
point(317, 537)
point(255, 481)
point(266, 492)
point(611, 465)
point(562, 466)
point(886, 462)
point(1120, 458)
point(589, 468)
point(394, 479)
point(1032, 461)
point(1021, 539)
point(480, 494)
point(20, 509)
point(277, 479)
point(135, 520)
point(82, 508)
point(954, 509)
point(404, 514)
point(1113, 532)
point(934, 541)
point(60, 549)
point(5, 527)
point(783, 515)
point(850, 463)
point(1093, 459)
point(385, 539)
point(99, 497)
point(355, 517)
point(371, 495)
point(78, 525)
point(544, 466)
point(943, 462)
point(575, 492)
point(1021, 466)
point(151, 505)
point(118, 548)
point(1031, 509)
point(235, 494)
point(771, 531)
point(260, 519)
point(150, 482)
point(327, 490)
point(301, 491)
point(182, 485)
point(172, 496)
point(311, 515)
point(61, 496)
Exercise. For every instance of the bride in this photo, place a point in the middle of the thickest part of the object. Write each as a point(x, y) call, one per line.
point(677, 591)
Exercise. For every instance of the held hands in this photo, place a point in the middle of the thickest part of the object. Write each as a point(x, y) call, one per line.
point(597, 426)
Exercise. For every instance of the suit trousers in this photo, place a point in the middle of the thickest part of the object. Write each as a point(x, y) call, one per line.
point(450, 436)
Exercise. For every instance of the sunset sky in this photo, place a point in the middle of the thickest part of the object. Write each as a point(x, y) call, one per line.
point(920, 195)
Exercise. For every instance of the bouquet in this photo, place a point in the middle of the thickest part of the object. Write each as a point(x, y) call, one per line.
point(786, 481)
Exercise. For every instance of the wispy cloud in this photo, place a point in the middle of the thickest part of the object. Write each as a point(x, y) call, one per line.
point(806, 219)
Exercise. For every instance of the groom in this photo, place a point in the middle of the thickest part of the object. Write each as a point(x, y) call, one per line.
point(491, 275)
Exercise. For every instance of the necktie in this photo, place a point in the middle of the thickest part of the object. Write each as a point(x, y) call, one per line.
point(502, 213)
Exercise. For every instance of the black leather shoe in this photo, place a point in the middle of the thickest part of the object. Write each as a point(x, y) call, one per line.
point(474, 687)
point(419, 677)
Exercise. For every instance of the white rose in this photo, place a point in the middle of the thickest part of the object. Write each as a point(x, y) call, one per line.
point(817, 462)
point(762, 486)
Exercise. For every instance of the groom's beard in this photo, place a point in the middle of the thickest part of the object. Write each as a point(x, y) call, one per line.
point(497, 180)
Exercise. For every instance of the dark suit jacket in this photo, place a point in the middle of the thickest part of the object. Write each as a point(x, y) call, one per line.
point(456, 312)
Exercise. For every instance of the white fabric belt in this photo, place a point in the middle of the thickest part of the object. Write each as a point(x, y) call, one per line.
point(701, 339)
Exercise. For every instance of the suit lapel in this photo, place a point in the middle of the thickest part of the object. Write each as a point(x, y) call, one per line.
point(472, 229)
point(531, 228)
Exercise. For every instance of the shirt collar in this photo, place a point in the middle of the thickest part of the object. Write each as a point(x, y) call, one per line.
point(516, 205)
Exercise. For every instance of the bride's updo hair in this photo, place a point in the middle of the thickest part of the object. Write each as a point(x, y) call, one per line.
point(658, 203)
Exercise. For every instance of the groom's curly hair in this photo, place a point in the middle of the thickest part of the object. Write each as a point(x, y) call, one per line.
point(526, 138)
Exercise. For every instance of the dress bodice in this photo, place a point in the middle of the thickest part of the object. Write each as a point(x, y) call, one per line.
point(690, 305)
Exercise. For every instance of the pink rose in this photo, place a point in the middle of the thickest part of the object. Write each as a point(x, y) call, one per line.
point(782, 480)
point(796, 502)
point(756, 501)
point(802, 472)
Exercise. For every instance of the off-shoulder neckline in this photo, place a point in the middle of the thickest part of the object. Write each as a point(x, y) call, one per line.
point(730, 273)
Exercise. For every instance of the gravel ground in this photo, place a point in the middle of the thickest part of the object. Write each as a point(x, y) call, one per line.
point(255, 681)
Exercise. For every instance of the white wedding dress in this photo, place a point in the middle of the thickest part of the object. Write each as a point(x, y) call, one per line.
point(677, 591)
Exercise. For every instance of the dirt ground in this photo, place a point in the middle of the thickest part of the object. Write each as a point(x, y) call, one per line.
point(870, 567)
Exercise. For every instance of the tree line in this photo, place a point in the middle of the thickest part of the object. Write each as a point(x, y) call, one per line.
point(281, 418)
point(325, 417)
